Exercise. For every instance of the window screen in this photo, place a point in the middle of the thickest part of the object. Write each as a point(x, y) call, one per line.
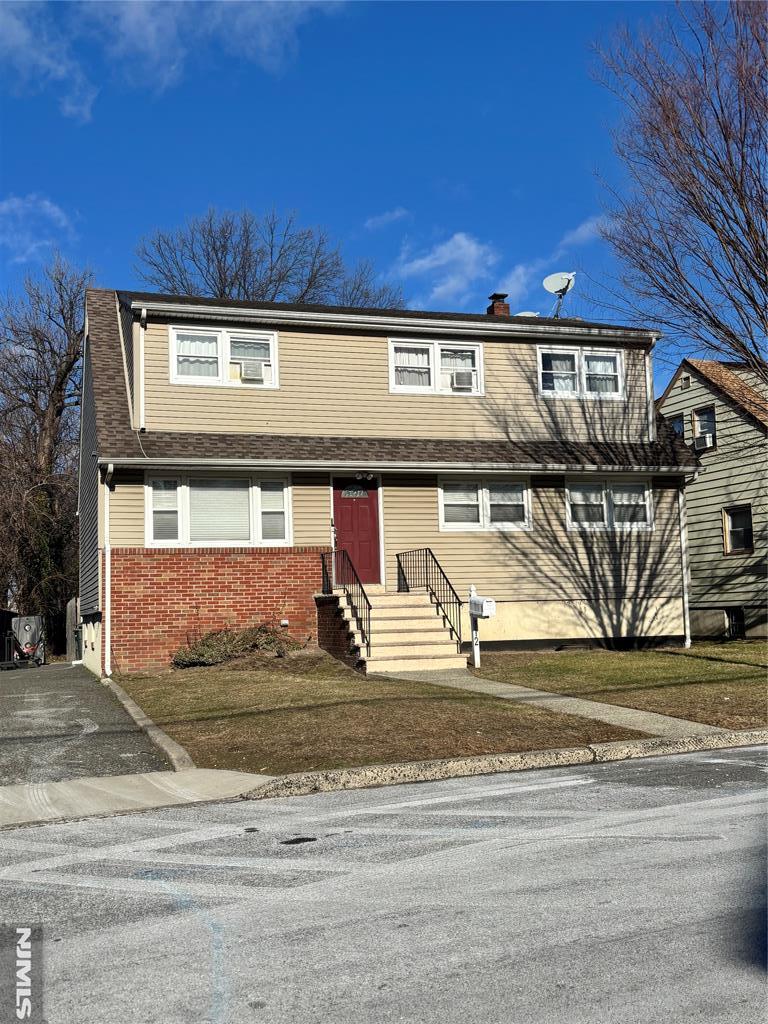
point(506, 502)
point(219, 510)
point(587, 504)
point(629, 505)
point(272, 510)
point(601, 374)
point(165, 510)
point(197, 355)
point(412, 367)
point(558, 371)
point(461, 502)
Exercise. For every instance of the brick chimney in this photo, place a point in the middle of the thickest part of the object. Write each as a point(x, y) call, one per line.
point(498, 306)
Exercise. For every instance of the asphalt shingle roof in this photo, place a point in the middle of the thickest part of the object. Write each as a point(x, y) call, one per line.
point(721, 376)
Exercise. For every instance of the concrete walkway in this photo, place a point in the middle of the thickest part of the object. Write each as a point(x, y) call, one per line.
point(628, 718)
point(81, 798)
point(59, 722)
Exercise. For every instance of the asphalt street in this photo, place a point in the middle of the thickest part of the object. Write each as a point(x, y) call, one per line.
point(625, 892)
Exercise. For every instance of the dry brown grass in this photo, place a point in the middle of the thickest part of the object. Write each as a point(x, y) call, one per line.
point(718, 684)
point(308, 711)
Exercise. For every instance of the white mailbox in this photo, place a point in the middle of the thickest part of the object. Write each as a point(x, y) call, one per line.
point(481, 607)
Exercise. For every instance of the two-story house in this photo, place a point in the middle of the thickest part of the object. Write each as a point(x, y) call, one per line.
point(721, 410)
point(228, 446)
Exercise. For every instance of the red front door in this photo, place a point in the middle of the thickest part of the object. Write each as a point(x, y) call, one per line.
point(356, 518)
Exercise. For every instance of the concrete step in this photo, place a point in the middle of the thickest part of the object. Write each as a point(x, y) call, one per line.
point(417, 648)
point(392, 632)
point(415, 663)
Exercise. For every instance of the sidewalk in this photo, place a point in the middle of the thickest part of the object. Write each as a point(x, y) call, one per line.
point(82, 798)
point(629, 718)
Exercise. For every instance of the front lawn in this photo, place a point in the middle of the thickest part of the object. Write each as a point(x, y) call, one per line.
point(307, 711)
point(719, 684)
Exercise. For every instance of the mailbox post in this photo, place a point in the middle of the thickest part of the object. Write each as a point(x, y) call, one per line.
point(479, 608)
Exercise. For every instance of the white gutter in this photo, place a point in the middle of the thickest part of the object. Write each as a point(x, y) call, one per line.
point(399, 467)
point(397, 323)
point(106, 627)
point(142, 329)
point(684, 564)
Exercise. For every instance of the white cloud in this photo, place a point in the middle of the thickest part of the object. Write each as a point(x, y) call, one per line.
point(147, 42)
point(448, 270)
point(30, 226)
point(585, 232)
point(35, 54)
point(381, 220)
point(520, 280)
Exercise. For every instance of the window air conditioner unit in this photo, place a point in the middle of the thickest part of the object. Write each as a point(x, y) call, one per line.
point(462, 380)
point(703, 441)
point(252, 370)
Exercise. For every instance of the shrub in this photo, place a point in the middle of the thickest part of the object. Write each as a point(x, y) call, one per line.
point(222, 645)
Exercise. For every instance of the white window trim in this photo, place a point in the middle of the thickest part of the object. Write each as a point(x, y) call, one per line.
point(254, 505)
point(608, 506)
point(434, 348)
point(697, 431)
point(580, 366)
point(485, 525)
point(224, 336)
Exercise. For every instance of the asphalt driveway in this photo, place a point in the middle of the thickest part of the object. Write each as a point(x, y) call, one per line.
point(59, 722)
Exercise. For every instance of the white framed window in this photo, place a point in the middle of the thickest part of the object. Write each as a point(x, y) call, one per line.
point(163, 510)
point(435, 367)
point(223, 357)
point(580, 373)
point(609, 505)
point(484, 504)
point(705, 421)
point(213, 511)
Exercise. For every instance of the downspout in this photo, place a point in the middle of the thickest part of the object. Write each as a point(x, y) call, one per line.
point(142, 329)
point(107, 624)
point(651, 405)
point(684, 563)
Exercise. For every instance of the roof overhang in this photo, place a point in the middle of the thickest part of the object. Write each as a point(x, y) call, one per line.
point(426, 325)
point(378, 466)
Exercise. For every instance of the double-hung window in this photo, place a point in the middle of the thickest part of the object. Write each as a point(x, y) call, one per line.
point(737, 530)
point(233, 358)
point(207, 511)
point(704, 421)
point(678, 424)
point(575, 373)
point(489, 504)
point(601, 504)
point(435, 367)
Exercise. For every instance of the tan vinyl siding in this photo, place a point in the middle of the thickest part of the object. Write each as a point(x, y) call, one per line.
point(126, 509)
point(337, 384)
point(311, 510)
point(731, 474)
point(546, 563)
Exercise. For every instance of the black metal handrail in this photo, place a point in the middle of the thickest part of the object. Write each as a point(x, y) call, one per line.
point(339, 572)
point(420, 568)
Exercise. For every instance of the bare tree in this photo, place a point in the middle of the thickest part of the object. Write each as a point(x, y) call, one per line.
point(692, 231)
point(41, 338)
point(270, 259)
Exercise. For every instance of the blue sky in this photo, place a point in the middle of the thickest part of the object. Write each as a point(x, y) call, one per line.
point(457, 145)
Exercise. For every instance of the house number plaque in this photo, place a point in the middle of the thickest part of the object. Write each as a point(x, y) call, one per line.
point(354, 492)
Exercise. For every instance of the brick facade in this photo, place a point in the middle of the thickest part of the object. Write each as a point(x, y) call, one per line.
point(164, 597)
point(333, 632)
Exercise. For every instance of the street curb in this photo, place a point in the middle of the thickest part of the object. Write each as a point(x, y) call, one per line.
point(176, 754)
point(372, 776)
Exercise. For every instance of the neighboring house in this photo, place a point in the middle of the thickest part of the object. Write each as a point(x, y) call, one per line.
point(228, 446)
point(721, 410)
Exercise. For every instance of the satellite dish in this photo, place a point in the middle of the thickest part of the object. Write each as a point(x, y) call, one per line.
point(527, 312)
point(559, 284)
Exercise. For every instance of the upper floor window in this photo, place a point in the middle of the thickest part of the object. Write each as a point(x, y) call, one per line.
point(224, 357)
point(435, 367)
point(704, 422)
point(213, 511)
point(489, 504)
point(575, 373)
point(678, 424)
point(601, 505)
point(737, 530)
